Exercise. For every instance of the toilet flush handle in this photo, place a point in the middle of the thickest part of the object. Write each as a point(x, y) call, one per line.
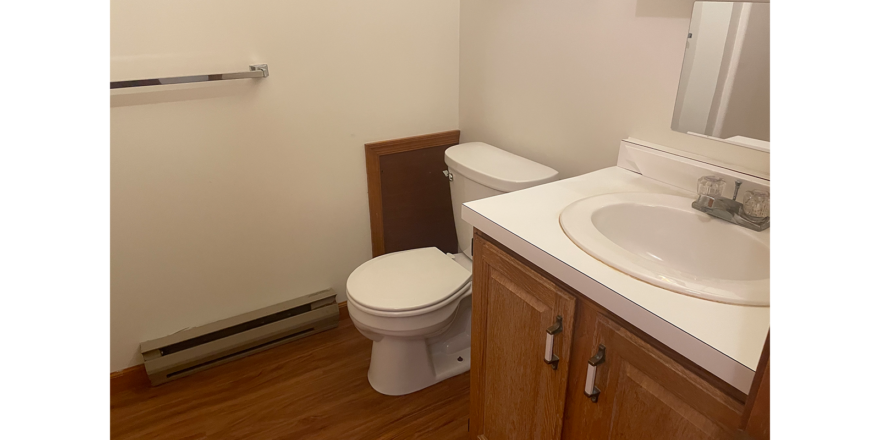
point(448, 174)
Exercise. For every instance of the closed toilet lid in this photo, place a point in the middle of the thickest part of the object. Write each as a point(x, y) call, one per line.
point(406, 280)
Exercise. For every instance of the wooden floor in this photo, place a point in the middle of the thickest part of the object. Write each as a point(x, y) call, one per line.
point(314, 388)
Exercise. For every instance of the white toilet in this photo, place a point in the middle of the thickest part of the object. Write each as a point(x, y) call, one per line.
point(415, 305)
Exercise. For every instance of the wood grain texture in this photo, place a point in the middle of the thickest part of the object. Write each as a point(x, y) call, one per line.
point(648, 390)
point(401, 145)
point(647, 395)
point(136, 377)
point(410, 205)
point(479, 342)
point(644, 393)
point(517, 395)
point(343, 311)
point(585, 303)
point(314, 388)
point(374, 196)
point(654, 412)
point(580, 411)
point(129, 379)
point(756, 417)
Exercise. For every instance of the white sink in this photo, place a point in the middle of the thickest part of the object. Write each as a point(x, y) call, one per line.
point(660, 239)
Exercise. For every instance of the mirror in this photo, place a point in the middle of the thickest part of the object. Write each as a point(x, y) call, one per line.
point(724, 90)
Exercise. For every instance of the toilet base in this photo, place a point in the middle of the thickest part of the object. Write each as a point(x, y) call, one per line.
point(401, 366)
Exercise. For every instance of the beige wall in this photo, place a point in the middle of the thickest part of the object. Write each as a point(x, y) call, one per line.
point(748, 112)
point(232, 196)
point(562, 82)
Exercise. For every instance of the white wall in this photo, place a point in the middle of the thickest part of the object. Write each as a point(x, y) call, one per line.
point(232, 196)
point(562, 82)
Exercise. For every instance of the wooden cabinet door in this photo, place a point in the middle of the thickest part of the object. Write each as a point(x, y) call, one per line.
point(646, 395)
point(514, 393)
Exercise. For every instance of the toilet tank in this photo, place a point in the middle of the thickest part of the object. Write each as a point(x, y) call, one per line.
point(480, 170)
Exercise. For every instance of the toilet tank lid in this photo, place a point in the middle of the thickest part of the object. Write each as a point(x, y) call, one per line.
point(496, 168)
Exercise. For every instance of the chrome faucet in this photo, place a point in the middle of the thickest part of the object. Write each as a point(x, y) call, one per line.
point(753, 213)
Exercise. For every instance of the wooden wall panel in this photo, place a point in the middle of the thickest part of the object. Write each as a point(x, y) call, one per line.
point(410, 205)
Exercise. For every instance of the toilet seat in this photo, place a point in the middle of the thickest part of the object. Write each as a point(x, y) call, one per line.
point(407, 282)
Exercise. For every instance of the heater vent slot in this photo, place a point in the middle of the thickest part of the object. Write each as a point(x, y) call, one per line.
point(199, 348)
point(247, 351)
point(219, 334)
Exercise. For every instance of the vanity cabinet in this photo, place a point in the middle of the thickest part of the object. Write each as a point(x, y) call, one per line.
point(520, 395)
point(645, 390)
point(645, 394)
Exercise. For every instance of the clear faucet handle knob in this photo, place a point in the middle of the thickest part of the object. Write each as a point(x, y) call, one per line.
point(711, 186)
point(757, 204)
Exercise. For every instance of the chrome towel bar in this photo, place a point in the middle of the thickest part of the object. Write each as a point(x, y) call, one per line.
point(257, 71)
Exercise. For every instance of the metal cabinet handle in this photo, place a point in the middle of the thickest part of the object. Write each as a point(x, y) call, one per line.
point(590, 387)
point(552, 331)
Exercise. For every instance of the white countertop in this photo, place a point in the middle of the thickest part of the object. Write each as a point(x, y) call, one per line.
point(725, 339)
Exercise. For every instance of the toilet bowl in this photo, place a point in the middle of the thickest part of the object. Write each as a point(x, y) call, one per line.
point(415, 305)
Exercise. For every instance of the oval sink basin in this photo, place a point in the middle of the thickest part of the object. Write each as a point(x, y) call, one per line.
point(660, 239)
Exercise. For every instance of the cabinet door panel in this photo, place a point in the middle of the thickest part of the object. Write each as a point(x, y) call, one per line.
point(514, 393)
point(647, 395)
point(651, 411)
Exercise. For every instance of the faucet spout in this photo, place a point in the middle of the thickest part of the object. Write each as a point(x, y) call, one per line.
point(737, 184)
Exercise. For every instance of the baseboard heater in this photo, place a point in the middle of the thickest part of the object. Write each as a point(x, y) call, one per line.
point(196, 349)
